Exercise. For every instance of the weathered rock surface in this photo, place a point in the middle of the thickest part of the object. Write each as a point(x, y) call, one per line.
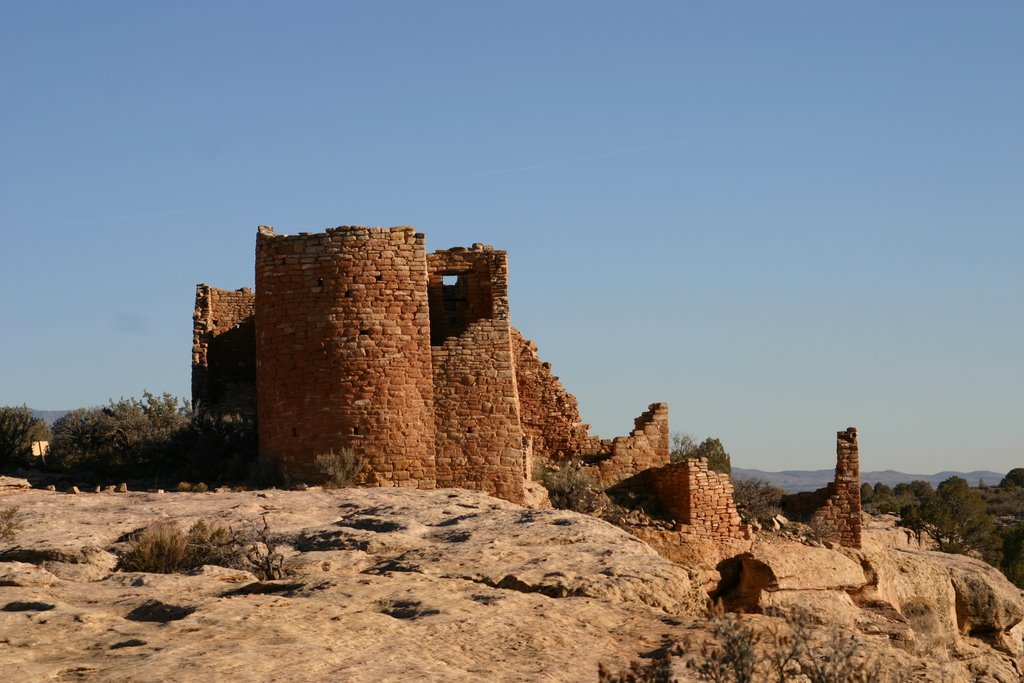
point(384, 584)
point(451, 585)
point(14, 484)
point(951, 608)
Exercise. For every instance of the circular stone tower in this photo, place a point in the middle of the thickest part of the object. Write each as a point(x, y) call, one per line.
point(343, 352)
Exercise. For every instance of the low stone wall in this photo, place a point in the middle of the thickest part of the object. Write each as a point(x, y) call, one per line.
point(627, 456)
point(700, 500)
point(549, 413)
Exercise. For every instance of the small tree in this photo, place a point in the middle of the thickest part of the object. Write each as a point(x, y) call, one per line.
point(1014, 479)
point(683, 446)
point(714, 451)
point(757, 500)
point(957, 518)
point(866, 490)
point(125, 434)
point(17, 425)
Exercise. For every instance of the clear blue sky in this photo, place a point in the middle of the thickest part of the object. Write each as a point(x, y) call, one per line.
point(781, 218)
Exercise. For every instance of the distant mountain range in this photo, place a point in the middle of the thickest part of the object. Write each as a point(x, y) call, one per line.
point(809, 480)
point(49, 416)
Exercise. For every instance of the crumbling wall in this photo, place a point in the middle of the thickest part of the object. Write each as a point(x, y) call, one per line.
point(699, 499)
point(837, 507)
point(356, 338)
point(224, 350)
point(550, 414)
point(480, 443)
point(343, 349)
point(626, 456)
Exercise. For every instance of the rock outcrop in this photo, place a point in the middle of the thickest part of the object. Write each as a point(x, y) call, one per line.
point(382, 584)
point(453, 585)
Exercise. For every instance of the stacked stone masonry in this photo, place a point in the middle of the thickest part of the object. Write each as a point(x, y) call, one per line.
point(551, 418)
point(627, 456)
point(223, 349)
point(479, 436)
point(357, 338)
point(698, 499)
point(836, 509)
point(343, 351)
point(550, 414)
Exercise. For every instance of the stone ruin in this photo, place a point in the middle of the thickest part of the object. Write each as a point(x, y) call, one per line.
point(836, 508)
point(358, 338)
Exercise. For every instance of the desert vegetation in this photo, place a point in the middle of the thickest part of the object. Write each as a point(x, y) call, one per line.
point(339, 469)
point(785, 651)
point(757, 500)
point(164, 548)
point(155, 436)
point(10, 522)
point(685, 446)
point(986, 522)
point(570, 487)
point(18, 429)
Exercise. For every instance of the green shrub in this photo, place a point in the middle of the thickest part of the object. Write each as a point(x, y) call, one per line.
point(128, 435)
point(214, 447)
point(155, 435)
point(957, 518)
point(339, 469)
point(18, 428)
point(184, 486)
point(201, 487)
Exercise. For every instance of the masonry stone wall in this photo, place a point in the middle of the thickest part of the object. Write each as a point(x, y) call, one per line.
point(479, 437)
point(224, 350)
point(699, 499)
point(836, 507)
point(550, 414)
point(623, 457)
point(357, 338)
point(343, 349)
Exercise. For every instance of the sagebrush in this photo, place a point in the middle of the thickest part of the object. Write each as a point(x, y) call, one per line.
point(570, 487)
point(164, 548)
point(340, 469)
point(790, 651)
point(10, 523)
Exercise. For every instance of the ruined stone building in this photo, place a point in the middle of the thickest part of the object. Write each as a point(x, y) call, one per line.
point(837, 507)
point(358, 338)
